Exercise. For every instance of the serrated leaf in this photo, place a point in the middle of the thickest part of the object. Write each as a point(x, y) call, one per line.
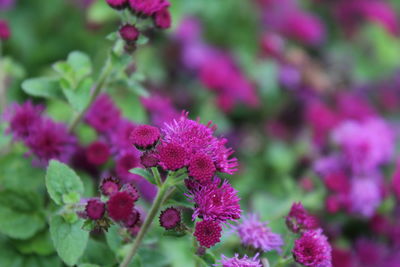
point(43, 87)
point(143, 173)
point(61, 180)
point(113, 238)
point(20, 214)
point(69, 239)
point(79, 98)
point(80, 64)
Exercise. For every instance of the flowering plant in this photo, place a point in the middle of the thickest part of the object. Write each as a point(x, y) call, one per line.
point(256, 133)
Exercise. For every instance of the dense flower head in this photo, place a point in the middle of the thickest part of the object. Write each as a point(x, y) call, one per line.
point(133, 219)
point(5, 32)
point(145, 136)
point(258, 235)
point(129, 33)
point(236, 261)
point(148, 7)
point(129, 188)
point(50, 140)
point(110, 186)
point(215, 202)
point(312, 249)
point(162, 19)
point(120, 206)
point(198, 138)
point(365, 144)
point(171, 156)
point(170, 218)
point(103, 115)
point(22, 118)
point(95, 209)
point(208, 233)
point(117, 4)
point(98, 153)
point(201, 167)
point(149, 159)
point(299, 219)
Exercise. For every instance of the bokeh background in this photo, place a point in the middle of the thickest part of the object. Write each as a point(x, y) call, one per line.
point(276, 76)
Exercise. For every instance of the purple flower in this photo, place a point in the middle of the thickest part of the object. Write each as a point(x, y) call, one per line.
point(214, 202)
point(365, 195)
point(365, 144)
point(312, 249)
point(22, 118)
point(50, 140)
point(198, 138)
point(6, 4)
point(257, 234)
point(239, 262)
point(299, 219)
point(103, 115)
point(148, 7)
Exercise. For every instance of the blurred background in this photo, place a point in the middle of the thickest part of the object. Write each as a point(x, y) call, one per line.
point(278, 77)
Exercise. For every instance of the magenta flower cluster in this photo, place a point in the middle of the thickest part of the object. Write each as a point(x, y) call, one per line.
point(185, 143)
point(45, 138)
point(119, 206)
point(312, 248)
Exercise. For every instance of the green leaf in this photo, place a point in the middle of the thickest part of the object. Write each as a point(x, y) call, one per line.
point(88, 265)
point(144, 173)
point(43, 87)
point(39, 244)
point(80, 63)
point(71, 198)
point(61, 180)
point(69, 239)
point(20, 215)
point(113, 238)
point(79, 98)
point(98, 252)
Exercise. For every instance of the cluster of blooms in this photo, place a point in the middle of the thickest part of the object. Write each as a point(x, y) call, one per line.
point(311, 248)
point(187, 143)
point(216, 69)
point(352, 174)
point(156, 9)
point(119, 207)
point(45, 138)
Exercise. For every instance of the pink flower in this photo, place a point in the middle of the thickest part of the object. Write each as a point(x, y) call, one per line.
point(22, 119)
point(97, 153)
point(148, 7)
point(5, 32)
point(170, 218)
point(299, 219)
point(245, 261)
point(145, 136)
point(214, 202)
point(129, 33)
point(208, 233)
point(365, 195)
point(162, 19)
point(304, 27)
point(312, 249)
point(258, 235)
point(103, 115)
point(198, 138)
point(95, 209)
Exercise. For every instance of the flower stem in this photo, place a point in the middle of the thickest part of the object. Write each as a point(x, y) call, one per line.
point(146, 225)
point(283, 262)
point(96, 90)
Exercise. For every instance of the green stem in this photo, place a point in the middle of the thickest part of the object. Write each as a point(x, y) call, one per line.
point(283, 262)
point(105, 73)
point(146, 225)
